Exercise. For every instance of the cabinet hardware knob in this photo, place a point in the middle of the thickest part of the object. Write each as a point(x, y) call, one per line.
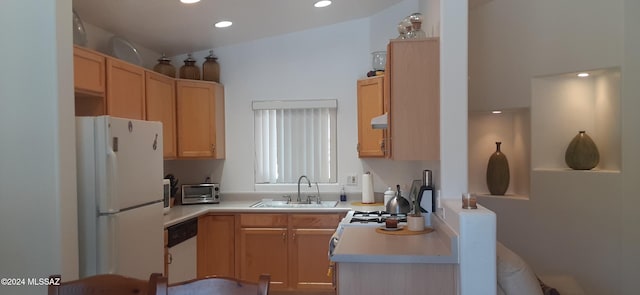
point(284, 236)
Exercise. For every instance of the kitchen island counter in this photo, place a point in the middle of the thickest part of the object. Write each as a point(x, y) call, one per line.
point(365, 245)
point(405, 264)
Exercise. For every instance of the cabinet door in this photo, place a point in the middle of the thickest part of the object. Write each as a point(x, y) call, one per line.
point(309, 244)
point(414, 82)
point(161, 106)
point(309, 260)
point(88, 72)
point(264, 250)
point(125, 90)
point(89, 82)
point(216, 249)
point(370, 105)
point(200, 110)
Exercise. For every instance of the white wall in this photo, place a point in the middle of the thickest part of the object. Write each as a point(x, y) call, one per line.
point(630, 237)
point(37, 153)
point(512, 41)
point(575, 223)
point(314, 64)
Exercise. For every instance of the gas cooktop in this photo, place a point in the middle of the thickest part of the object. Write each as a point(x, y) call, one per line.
point(373, 217)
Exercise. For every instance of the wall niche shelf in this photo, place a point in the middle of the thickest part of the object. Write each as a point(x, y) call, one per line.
point(512, 128)
point(563, 104)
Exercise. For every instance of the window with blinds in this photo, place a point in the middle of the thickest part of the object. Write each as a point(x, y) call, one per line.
point(294, 138)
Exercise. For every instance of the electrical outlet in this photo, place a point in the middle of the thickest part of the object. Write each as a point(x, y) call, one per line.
point(352, 180)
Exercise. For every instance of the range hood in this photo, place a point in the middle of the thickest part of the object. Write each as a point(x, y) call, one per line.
point(380, 122)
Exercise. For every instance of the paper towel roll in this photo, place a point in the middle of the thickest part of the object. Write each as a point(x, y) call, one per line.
point(367, 188)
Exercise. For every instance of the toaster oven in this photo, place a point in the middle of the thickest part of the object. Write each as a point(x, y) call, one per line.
point(203, 193)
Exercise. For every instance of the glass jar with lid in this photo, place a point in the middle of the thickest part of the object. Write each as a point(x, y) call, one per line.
point(189, 70)
point(165, 67)
point(211, 68)
point(416, 26)
point(379, 60)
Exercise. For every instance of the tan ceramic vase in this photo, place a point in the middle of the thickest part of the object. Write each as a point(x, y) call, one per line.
point(582, 153)
point(498, 172)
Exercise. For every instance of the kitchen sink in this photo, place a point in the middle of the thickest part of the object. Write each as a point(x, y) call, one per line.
point(287, 204)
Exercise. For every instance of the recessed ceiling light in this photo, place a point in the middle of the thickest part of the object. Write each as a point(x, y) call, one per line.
point(582, 75)
point(322, 3)
point(223, 24)
point(496, 112)
point(189, 1)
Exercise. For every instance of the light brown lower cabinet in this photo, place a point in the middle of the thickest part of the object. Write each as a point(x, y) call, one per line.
point(292, 248)
point(216, 245)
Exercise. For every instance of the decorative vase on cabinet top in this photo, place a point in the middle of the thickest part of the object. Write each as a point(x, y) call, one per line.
point(211, 68)
point(165, 67)
point(189, 70)
point(582, 153)
point(498, 172)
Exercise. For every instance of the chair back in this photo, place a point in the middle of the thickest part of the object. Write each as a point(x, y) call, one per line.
point(221, 286)
point(110, 284)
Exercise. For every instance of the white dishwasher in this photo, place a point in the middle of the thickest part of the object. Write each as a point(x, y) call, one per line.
point(182, 244)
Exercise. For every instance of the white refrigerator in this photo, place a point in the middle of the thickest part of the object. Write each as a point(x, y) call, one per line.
point(120, 194)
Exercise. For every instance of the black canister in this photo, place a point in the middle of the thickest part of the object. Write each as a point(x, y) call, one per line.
point(425, 196)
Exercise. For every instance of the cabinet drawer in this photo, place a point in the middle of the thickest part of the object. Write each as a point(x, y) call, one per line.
point(315, 220)
point(263, 220)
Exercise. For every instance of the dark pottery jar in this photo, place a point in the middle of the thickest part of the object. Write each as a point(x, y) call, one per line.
point(165, 67)
point(211, 68)
point(498, 172)
point(582, 153)
point(190, 70)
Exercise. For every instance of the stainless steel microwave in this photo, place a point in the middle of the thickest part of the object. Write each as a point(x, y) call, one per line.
point(203, 193)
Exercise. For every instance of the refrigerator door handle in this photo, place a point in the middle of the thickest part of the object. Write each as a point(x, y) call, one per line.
point(113, 179)
point(113, 255)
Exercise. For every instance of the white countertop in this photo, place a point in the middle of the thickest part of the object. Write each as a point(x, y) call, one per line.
point(363, 244)
point(181, 213)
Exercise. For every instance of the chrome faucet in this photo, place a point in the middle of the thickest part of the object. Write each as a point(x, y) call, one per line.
point(299, 180)
point(318, 200)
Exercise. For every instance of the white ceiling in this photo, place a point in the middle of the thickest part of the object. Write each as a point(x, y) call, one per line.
point(174, 28)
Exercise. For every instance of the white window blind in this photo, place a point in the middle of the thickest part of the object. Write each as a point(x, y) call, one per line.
point(294, 138)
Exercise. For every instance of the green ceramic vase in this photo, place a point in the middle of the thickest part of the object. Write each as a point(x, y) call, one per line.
point(498, 172)
point(582, 153)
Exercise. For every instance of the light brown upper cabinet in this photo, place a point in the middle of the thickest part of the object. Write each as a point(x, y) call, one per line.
point(88, 72)
point(125, 90)
point(89, 82)
point(412, 90)
point(200, 115)
point(371, 142)
point(160, 93)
